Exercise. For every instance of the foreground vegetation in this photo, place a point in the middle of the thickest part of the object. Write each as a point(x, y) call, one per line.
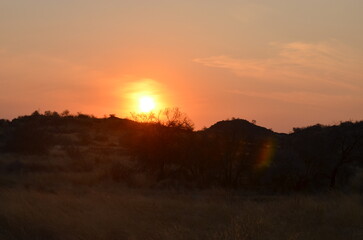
point(105, 213)
point(165, 150)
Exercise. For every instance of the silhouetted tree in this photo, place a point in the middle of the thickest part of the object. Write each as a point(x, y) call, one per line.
point(158, 144)
point(347, 144)
point(168, 117)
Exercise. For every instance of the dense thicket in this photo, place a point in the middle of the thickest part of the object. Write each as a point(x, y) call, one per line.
point(233, 153)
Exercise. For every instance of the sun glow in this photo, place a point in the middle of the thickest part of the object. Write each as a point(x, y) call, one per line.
point(146, 104)
point(142, 96)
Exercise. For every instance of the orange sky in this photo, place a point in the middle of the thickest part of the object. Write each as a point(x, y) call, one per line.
point(283, 63)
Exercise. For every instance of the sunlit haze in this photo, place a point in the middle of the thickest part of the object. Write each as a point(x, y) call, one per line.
point(283, 63)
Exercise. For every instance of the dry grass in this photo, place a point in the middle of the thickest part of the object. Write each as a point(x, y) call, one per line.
point(101, 213)
point(72, 203)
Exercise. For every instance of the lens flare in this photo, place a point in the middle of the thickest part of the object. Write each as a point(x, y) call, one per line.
point(266, 154)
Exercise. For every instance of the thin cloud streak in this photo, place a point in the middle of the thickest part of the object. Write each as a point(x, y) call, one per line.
point(309, 99)
point(327, 64)
point(318, 82)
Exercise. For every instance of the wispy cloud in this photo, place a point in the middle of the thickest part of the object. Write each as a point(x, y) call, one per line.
point(312, 79)
point(308, 99)
point(326, 66)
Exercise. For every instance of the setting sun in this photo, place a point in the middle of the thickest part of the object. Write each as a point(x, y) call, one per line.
point(146, 104)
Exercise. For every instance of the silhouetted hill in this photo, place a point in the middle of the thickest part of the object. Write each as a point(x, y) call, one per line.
point(241, 127)
point(231, 153)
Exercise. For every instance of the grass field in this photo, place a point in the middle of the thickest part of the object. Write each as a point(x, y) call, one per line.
point(44, 198)
point(121, 213)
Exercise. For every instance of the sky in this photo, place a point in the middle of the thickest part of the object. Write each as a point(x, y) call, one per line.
point(283, 63)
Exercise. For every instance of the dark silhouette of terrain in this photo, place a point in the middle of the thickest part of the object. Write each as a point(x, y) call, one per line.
point(231, 153)
point(248, 129)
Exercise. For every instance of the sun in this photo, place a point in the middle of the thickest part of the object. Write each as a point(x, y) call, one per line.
point(146, 104)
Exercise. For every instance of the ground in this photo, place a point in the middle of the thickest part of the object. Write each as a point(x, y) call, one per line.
point(101, 212)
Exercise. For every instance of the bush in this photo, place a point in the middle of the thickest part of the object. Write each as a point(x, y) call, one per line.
point(28, 140)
